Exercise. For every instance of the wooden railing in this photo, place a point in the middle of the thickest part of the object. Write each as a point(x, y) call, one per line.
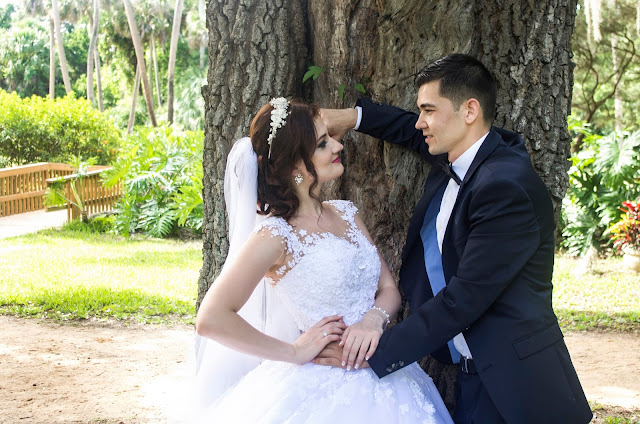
point(22, 188)
point(96, 197)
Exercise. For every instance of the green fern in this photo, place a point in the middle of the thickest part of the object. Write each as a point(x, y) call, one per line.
point(603, 174)
point(160, 173)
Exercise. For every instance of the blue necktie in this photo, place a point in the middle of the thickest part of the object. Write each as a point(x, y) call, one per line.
point(432, 255)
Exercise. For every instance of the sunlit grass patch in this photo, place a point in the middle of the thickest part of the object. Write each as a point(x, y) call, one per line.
point(72, 275)
point(606, 296)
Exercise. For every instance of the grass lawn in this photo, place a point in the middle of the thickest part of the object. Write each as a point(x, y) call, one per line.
point(69, 275)
point(605, 297)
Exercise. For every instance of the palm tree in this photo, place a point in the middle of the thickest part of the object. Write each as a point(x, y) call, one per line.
point(93, 46)
point(134, 101)
point(55, 11)
point(137, 45)
point(52, 60)
point(154, 59)
point(177, 20)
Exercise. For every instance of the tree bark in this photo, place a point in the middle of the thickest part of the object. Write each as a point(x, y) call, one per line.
point(531, 58)
point(52, 59)
point(137, 45)
point(63, 59)
point(173, 48)
point(382, 44)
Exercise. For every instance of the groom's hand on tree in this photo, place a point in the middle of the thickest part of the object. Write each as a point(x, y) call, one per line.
point(339, 121)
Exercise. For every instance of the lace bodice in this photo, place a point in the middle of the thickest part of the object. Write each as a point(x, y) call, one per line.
point(326, 274)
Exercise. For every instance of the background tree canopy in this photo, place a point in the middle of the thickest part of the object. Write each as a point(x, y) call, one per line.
point(25, 41)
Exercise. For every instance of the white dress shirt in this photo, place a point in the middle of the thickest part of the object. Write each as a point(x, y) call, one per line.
point(460, 167)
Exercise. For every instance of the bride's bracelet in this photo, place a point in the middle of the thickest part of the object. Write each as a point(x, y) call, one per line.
point(386, 315)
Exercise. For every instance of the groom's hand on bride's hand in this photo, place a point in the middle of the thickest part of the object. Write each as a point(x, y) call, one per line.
point(339, 121)
point(331, 356)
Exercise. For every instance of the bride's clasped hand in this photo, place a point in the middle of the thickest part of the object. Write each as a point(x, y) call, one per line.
point(315, 339)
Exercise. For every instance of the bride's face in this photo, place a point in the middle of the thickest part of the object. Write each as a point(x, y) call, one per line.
point(326, 157)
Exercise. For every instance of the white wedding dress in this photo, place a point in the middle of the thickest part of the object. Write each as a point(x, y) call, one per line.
point(327, 275)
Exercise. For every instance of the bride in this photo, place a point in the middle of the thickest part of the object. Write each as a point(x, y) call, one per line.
point(311, 266)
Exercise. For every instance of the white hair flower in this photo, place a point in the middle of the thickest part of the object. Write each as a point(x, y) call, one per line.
point(278, 117)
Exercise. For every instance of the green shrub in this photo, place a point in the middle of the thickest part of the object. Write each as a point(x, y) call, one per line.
point(38, 129)
point(161, 174)
point(96, 225)
point(605, 173)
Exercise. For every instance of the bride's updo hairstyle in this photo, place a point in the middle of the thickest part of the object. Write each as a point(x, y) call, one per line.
point(294, 141)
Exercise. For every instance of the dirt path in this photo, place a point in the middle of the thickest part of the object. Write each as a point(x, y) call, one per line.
point(108, 374)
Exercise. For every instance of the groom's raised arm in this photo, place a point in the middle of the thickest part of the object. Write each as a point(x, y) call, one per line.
point(385, 122)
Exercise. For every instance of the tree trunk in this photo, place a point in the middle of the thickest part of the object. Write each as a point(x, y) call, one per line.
point(173, 48)
point(93, 46)
point(149, 59)
point(96, 55)
point(531, 59)
point(382, 44)
point(617, 97)
point(134, 101)
point(137, 45)
point(154, 58)
point(63, 58)
point(52, 59)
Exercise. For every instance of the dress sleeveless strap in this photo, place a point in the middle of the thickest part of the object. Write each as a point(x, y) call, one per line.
point(347, 210)
point(277, 227)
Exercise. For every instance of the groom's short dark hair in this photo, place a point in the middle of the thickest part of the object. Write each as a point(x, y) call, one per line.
point(462, 77)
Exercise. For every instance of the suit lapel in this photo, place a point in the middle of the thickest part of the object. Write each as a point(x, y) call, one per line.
point(488, 145)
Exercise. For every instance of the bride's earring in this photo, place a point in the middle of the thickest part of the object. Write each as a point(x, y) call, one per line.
point(298, 179)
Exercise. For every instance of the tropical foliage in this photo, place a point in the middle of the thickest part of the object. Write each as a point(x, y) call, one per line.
point(605, 173)
point(161, 173)
point(626, 232)
point(25, 54)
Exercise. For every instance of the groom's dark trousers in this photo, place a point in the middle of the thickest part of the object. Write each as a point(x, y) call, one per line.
point(497, 259)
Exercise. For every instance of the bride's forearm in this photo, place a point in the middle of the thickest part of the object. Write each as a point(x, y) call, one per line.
point(231, 330)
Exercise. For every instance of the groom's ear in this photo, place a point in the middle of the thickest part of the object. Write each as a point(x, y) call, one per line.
point(473, 111)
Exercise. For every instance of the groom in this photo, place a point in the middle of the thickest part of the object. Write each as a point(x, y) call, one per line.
point(478, 260)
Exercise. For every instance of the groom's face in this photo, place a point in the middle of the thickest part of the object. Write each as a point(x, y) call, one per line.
point(442, 125)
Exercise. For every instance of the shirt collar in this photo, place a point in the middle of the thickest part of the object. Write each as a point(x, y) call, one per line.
point(461, 165)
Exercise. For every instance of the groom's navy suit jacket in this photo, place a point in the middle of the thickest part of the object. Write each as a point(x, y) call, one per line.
point(497, 256)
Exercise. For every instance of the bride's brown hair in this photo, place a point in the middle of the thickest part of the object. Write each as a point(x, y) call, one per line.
point(294, 141)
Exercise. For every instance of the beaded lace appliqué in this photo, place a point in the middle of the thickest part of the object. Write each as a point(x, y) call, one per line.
point(325, 274)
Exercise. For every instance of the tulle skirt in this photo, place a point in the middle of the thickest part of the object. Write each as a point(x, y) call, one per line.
point(278, 392)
